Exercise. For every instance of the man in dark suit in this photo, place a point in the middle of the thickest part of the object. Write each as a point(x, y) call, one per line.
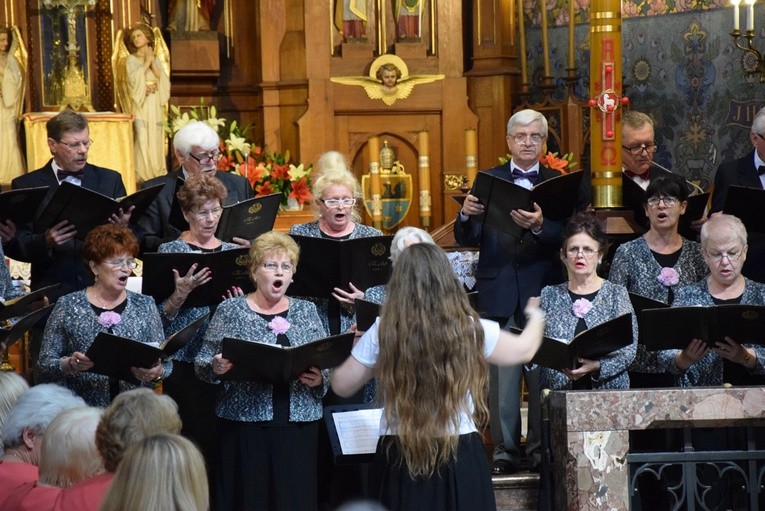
point(55, 253)
point(748, 171)
point(196, 148)
point(510, 271)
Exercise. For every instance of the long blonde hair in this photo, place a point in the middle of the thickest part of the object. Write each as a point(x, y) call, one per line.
point(431, 359)
point(164, 472)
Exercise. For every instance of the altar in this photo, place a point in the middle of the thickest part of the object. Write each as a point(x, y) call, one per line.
point(112, 136)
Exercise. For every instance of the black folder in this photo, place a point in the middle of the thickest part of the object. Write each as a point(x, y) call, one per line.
point(250, 218)
point(86, 209)
point(366, 314)
point(21, 205)
point(592, 344)
point(326, 264)
point(228, 267)
point(13, 333)
point(676, 327)
point(747, 204)
point(113, 355)
point(272, 363)
point(19, 306)
point(556, 197)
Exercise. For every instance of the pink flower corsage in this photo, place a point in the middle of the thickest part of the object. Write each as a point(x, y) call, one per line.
point(279, 325)
point(108, 319)
point(581, 307)
point(668, 277)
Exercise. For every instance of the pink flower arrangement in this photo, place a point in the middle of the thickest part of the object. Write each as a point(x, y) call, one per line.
point(279, 325)
point(108, 319)
point(668, 277)
point(581, 307)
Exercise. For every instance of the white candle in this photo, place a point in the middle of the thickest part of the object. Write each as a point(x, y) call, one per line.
point(750, 15)
point(736, 14)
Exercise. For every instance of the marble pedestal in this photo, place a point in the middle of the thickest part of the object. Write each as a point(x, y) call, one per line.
point(589, 434)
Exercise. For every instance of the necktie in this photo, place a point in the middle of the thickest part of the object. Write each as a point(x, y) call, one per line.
point(761, 169)
point(632, 175)
point(531, 176)
point(62, 174)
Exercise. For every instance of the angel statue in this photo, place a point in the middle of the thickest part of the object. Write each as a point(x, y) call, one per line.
point(141, 67)
point(388, 79)
point(13, 76)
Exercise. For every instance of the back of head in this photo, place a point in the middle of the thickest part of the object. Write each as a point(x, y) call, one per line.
point(195, 134)
point(132, 416)
point(172, 477)
point(431, 357)
point(69, 455)
point(407, 236)
point(12, 387)
point(66, 121)
point(35, 410)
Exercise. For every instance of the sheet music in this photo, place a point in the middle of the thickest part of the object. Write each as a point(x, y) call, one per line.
point(358, 431)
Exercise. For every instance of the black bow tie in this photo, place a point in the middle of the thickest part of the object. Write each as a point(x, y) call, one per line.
point(62, 174)
point(519, 174)
point(761, 169)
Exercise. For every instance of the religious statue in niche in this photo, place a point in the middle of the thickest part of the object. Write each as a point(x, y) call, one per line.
point(408, 14)
point(388, 80)
point(13, 72)
point(190, 15)
point(141, 67)
point(351, 19)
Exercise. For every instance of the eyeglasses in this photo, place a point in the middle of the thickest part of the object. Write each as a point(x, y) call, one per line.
point(638, 149)
point(586, 251)
point(669, 201)
point(119, 263)
point(339, 203)
point(731, 256)
point(273, 266)
point(76, 145)
point(534, 138)
point(213, 213)
point(207, 157)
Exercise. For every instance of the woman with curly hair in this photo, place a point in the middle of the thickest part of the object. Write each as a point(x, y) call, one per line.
point(428, 351)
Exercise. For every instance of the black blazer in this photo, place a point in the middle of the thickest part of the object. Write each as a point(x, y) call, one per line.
point(60, 264)
point(154, 226)
point(511, 270)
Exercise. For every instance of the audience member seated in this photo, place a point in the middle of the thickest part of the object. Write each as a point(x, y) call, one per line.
point(172, 477)
point(105, 306)
point(24, 430)
point(582, 302)
point(132, 416)
point(12, 387)
point(68, 456)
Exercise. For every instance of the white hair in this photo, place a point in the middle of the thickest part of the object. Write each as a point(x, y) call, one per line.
point(407, 236)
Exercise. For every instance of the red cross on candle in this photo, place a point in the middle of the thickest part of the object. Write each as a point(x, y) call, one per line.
point(608, 101)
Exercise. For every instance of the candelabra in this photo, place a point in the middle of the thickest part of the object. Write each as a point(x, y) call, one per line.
point(75, 90)
point(748, 48)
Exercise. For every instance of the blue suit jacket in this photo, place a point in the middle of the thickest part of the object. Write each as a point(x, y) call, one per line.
point(154, 225)
point(59, 264)
point(511, 270)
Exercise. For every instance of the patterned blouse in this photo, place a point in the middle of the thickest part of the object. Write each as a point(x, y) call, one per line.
point(73, 325)
point(7, 289)
point(248, 401)
point(611, 301)
point(709, 370)
point(347, 316)
point(186, 314)
point(635, 268)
